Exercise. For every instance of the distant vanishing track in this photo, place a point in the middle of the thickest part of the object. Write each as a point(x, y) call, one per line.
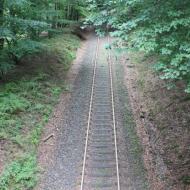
point(100, 164)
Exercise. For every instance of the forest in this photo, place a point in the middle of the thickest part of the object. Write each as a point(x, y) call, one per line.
point(38, 42)
point(160, 28)
point(23, 21)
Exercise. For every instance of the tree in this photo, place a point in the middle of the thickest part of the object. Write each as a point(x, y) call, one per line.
point(22, 22)
point(1, 22)
point(155, 27)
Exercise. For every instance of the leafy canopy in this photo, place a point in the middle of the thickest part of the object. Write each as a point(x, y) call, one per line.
point(155, 27)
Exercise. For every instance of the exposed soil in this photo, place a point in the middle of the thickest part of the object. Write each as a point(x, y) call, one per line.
point(162, 119)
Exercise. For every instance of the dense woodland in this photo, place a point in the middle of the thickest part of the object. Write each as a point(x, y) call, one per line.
point(31, 28)
point(160, 28)
point(23, 21)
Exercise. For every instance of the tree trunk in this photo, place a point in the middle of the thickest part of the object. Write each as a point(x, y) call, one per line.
point(1, 22)
point(54, 24)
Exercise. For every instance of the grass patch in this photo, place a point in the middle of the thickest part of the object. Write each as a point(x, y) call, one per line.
point(20, 174)
point(26, 102)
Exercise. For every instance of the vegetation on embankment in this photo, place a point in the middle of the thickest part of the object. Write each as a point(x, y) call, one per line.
point(165, 117)
point(33, 62)
point(27, 98)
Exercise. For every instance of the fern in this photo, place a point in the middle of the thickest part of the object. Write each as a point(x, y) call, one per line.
point(24, 47)
point(20, 174)
point(12, 104)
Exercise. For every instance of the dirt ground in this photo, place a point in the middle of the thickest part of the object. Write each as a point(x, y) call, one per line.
point(162, 118)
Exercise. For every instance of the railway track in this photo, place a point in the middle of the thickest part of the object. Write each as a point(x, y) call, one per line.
point(100, 169)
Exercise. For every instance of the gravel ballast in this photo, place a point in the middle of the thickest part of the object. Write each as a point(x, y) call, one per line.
point(65, 170)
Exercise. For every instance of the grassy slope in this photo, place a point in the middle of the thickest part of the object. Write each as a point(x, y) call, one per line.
point(26, 102)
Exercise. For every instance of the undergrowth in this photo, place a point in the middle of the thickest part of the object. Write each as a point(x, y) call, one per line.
point(25, 108)
point(64, 48)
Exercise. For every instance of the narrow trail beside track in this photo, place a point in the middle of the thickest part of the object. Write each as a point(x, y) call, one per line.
point(95, 149)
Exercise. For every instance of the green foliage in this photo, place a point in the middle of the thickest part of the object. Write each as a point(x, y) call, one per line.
point(160, 28)
point(64, 48)
point(20, 174)
point(25, 107)
point(23, 48)
point(5, 63)
point(12, 104)
point(22, 23)
point(56, 91)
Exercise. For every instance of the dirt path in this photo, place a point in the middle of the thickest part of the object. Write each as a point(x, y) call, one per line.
point(70, 120)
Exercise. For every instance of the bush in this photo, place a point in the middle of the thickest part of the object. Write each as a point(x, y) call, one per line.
point(20, 174)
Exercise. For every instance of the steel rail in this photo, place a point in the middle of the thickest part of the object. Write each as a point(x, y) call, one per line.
point(94, 59)
point(114, 118)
